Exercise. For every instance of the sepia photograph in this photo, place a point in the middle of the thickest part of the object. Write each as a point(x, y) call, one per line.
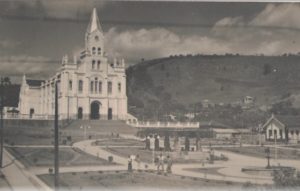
point(149, 95)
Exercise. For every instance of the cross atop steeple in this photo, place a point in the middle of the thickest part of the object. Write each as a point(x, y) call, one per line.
point(94, 23)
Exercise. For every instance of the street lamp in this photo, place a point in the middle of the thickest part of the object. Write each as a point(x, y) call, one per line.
point(267, 151)
point(4, 82)
point(84, 127)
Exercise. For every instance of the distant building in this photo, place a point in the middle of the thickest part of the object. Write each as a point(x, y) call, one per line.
point(90, 87)
point(248, 100)
point(282, 128)
point(207, 103)
point(229, 133)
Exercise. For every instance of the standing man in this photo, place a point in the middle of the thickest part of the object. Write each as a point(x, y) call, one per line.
point(129, 163)
point(169, 164)
point(138, 161)
point(160, 163)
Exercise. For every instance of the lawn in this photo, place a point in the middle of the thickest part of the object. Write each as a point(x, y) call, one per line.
point(260, 152)
point(45, 157)
point(135, 180)
point(119, 142)
point(208, 171)
point(44, 135)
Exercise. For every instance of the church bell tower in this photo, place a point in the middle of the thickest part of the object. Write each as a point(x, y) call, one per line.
point(94, 38)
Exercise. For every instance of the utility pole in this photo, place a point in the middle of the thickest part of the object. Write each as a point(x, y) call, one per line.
point(2, 127)
point(3, 83)
point(275, 145)
point(56, 149)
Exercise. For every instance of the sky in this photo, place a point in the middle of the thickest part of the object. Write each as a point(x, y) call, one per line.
point(35, 34)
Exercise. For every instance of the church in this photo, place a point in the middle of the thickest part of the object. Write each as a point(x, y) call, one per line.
point(89, 86)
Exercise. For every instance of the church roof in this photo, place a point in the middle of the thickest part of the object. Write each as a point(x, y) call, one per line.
point(289, 121)
point(34, 82)
point(94, 22)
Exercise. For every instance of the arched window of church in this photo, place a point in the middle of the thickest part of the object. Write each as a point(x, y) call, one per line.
point(92, 87)
point(109, 87)
point(100, 87)
point(93, 64)
point(70, 84)
point(80, 86)
point(99, 51)
point(93, 50)
point(96, 85)
point(119, 87)
point(98, 64)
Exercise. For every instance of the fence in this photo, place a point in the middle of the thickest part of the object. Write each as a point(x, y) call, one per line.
point(158, 124)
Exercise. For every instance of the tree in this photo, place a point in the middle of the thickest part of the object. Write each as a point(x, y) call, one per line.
point(285, 177)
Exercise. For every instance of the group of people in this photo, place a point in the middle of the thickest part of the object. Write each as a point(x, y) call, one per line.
point(160, 162)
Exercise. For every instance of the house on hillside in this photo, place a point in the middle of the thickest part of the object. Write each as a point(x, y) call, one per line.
point(248, 102)
point(282, 128)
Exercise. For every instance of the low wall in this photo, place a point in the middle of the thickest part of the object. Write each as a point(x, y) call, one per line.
point(33, 123)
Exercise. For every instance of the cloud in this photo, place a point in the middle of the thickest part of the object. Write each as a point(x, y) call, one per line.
point(8, 44)
point(158, 42)
point(33, 66)
point(279, 15)
point(59, 9)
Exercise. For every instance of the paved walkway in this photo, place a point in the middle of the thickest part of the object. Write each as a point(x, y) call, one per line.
point(231, 169)
point(19, 177)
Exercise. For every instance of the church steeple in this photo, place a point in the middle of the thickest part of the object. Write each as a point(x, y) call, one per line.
point(94, 22)
point(94, 39)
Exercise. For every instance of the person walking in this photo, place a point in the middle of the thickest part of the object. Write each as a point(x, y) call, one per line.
point(169, 164)
point(138, 161)
point(160, 163)
point(129, 164)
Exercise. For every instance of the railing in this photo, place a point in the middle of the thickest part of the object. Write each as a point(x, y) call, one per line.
point(158, 124)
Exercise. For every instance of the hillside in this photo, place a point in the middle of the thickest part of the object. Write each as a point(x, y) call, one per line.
point(175, 83)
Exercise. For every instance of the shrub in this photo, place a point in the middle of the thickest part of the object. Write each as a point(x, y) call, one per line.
point(110, 158)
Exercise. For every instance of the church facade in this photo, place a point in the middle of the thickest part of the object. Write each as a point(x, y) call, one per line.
point(89, 86)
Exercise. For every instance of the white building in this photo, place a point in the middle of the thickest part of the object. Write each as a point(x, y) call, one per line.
point(90, 87)
point(282, 128)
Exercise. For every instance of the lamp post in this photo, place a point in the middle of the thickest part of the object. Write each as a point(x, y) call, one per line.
point(4, 82)
point(56, 138)
point(267, 151)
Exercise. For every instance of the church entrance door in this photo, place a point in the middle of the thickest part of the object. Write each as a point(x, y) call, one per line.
point(79, 113)
point(95, 108)
point(109, 114)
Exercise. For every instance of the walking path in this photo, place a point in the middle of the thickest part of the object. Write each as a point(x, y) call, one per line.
point(231, 168)
point(19, 177)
